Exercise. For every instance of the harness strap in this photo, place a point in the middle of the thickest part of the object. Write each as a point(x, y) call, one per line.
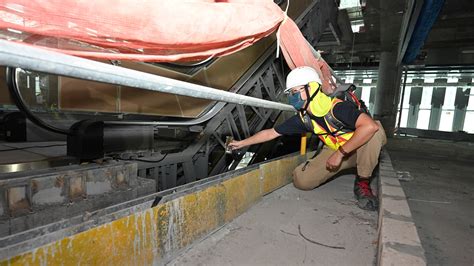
point(333, 133)
point(316, 153)
point(311, 98)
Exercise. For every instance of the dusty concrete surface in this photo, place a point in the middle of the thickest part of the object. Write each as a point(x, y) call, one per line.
point(268, 234)
point(399, 242)
point(32, 151)
point(440, 190)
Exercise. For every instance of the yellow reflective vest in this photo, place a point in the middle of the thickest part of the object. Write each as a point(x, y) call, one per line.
point(320, 106)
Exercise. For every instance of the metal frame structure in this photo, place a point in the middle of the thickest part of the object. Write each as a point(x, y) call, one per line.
point(194, 161)
point(206, 156)
point(197, 151)
point(187, 154)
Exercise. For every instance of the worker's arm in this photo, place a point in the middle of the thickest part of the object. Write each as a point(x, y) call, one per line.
point(262, 136)
point(365, 130)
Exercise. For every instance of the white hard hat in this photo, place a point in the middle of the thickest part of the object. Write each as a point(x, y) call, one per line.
point(301, 76)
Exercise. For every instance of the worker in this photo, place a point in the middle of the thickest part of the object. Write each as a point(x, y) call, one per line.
point(351, 137)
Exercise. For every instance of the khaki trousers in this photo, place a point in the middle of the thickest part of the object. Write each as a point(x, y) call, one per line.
point(309, 175)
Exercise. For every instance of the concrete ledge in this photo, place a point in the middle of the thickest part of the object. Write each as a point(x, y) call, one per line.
point(154, 234)
point(26, 192)
point(436, 134)
point(399, 243)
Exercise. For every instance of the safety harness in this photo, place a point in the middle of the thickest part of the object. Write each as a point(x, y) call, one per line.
point(338, 130)
point(343, 93)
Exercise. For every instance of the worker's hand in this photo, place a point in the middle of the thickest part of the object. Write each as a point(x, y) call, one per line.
point(236, 144)
point(334, 162)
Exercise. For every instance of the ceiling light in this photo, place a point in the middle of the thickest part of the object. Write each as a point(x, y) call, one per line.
point(356, 25)
point(349, 4)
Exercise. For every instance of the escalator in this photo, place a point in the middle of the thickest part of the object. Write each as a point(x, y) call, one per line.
point(189, 131)
point(151, 141)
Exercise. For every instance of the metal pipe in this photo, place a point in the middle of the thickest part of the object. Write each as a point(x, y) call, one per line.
point(401, 102)
point(248, 79)
point(319, 57)
point(37, 59)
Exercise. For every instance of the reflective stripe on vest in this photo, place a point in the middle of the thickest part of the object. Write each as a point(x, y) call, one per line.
point(338, 138)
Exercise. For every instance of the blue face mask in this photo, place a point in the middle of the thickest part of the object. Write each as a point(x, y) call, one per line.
point(296, 101)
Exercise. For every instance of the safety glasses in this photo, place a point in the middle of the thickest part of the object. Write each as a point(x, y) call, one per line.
point(294, 90)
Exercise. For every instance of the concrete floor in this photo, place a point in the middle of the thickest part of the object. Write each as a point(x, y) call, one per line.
point(268, 234)
point(11, 152)
point(22, 156)
point(440, 192)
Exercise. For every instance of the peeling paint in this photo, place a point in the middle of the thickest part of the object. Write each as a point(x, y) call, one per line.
point(155, 235)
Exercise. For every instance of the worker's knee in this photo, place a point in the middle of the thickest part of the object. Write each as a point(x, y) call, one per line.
point(377, 140)
point(380, 134)
point(299, 184)
point(306, 181)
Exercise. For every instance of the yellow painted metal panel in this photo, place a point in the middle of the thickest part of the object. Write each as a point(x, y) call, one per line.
point(241, 193)
point(158, 234)
point(278, 173)
point(134, 239)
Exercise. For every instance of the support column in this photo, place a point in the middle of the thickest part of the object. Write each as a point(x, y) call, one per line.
point(437, 101)
point(414, 109)
point(388, 91)
point(389, 77)
point(372, 99)
point(462, 99)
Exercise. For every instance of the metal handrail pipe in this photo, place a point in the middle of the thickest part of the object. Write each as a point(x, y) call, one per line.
point(41, 60)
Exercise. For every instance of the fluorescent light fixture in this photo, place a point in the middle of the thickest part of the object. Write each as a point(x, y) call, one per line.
point(453, 80)
point(349, 4)
point(356, 25)
point(15, 31)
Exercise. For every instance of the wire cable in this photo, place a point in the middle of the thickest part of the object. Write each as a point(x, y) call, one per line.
point(190, 65)
point(33, 147)
point(146, 161)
